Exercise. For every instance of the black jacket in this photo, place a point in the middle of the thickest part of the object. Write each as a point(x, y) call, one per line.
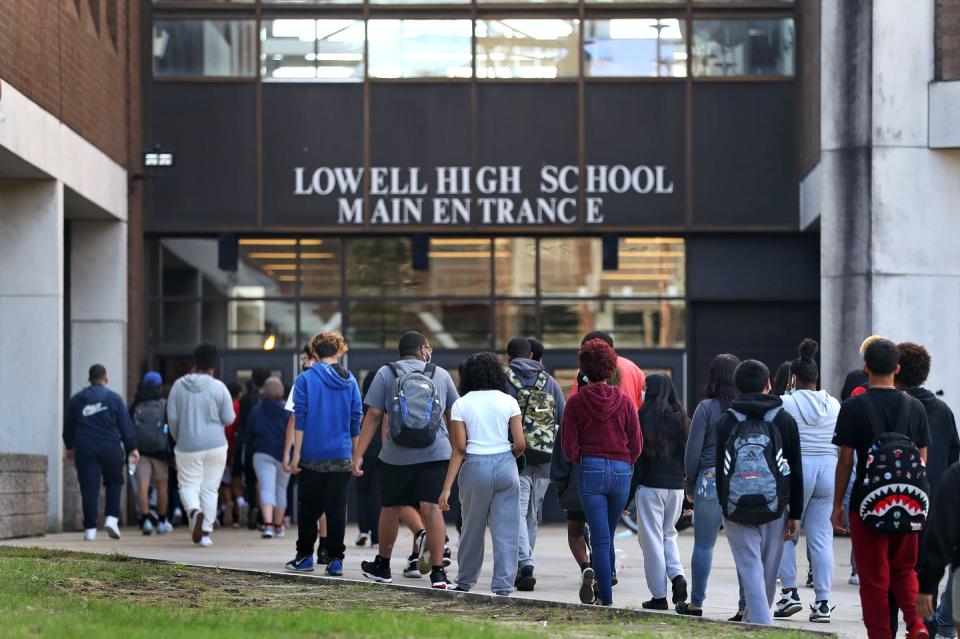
point(564, 476)
point(756, 405)
point(944, 448)
point(940, 544)
point(97, 414)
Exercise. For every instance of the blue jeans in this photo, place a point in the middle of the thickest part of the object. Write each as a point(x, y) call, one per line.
point(944, 614)
point(604, 490)
point(706, 526)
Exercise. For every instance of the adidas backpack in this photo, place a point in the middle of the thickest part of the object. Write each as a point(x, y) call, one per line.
point(754, 488)
point(414, 412)
point(893, 493)
point(538, 409)
point(150, 427)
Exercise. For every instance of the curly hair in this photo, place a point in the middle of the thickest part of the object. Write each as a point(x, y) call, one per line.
point(914, 365)
point(597, 360)
point(482, 371)
point(329, 344)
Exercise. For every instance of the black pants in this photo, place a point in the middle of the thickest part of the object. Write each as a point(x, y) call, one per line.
point(322, 493)
point(368, 500)
point(249, 478)
point(96, 462)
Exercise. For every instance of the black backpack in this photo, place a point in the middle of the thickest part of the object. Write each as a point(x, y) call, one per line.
point(893, 494)
point(754, 488)
point(150, 426)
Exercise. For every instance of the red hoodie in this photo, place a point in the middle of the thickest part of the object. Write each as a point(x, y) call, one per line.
point(601, 421)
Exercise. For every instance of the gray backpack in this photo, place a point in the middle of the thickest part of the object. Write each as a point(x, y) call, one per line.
point(754, 487)
point(414, 412)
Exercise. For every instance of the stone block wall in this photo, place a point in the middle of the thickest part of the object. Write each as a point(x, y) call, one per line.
point(23, 495)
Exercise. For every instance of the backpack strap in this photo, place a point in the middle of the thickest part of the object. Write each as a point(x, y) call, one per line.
point(430, 369)
point(394, 369)
point(512, 378)
point(903, 416)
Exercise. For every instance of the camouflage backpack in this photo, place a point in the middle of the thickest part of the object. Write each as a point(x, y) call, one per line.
point(538, 409)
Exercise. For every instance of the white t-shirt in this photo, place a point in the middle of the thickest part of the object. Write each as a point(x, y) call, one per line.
point(486, 415)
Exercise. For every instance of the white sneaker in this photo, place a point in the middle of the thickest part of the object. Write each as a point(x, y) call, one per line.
point(788, 605)
point(854, 580)
point(90, 534)
point(362, 539)
point(164, 527)
point(412, 571)
point(148, 527)
point(206, 541)
point(820, 612)
point(112, 526)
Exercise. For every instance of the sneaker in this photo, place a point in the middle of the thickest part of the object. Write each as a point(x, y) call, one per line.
point(164, 527)
point(423, 553)
point(322, 558)
point(378, 570)
point(438, 579)
point(854, 580)
point(614, 580)
point(412, 570)
point(809, 583)
point(147, 526)
point(587, 577)
point(267, 532)
point(196, 525)
point(113, 529)
point(362, 539)
point(334, 568)
point(206, 541)
point(90, 534)
point(820, 612)
point(918, 631)
point(737, 617)
point(447, 556)
point(300, 564)
point(679, 589)
point(655, 604)
point(689, 610)
point(279, 532)
point(460, 588)
point(788, 605)
point(525, 579)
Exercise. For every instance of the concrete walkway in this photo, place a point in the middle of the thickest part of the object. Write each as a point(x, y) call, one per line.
point(556, 572)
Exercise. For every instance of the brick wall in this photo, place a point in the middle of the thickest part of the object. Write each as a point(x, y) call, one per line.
point(70, 57)
point(947, 40)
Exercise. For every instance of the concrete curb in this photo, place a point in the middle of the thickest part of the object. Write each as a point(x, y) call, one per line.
point(538, 604)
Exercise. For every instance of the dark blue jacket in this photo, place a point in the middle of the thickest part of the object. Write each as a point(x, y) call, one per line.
point(97, 414)
point(328, 409)
point(267, 428)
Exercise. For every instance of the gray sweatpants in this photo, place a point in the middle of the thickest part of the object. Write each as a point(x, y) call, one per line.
point(657, 512)
point(271, 479)
point(534, 481)
point(489, 496)
point(757, 551)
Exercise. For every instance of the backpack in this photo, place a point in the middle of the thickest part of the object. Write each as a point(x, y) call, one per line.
point(150, 426)
point(538, 410)
point(894, 492)
point(754, 488)
point(414, 412)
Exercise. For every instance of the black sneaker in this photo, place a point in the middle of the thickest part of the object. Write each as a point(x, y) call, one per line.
point(737, 617)
point(525, 579)
point(438, 579)
point(587, 577)
point(820, 612)
point(412, 571)
point(679, 589)
point(689, 610)
point(377, 570)
point(447, 556)
point(788, 605)
point(423, 552)
point(655, 604)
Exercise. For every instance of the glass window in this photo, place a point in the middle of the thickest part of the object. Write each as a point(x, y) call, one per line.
point(514, 318)
point(743, 47)
point(382, 266)
point(447, 324)
point(211, 48)
point(320, 267)
point(311, 50)
point(207, 1)
point(419, 48)
point(312, 1)
point(652, 324)
point(648, 267)
point(527, 48)
point(570, 266)
point(179, 322)
point(635, 47)
point(515, 266)
point(260, 324)
point(319, 317)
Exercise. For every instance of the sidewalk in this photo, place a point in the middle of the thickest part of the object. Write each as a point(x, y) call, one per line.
point(556, 572)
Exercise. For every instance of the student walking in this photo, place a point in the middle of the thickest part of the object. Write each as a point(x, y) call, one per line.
point(328, 410)
point(602, 435)
point(266, 428)
point(198, 410)
point(541, 403)
point(888, 431)
point(149, 415)
point(368, 486)
point(815, 412)
point(941, 548)
point(417, 397)
point(943, 451)
point(759, 476)
point(658, 484)
point(483, 422)
point(700, 459)
point(96, 430)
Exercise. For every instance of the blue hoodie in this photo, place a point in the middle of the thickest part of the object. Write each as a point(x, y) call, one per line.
point(328, 409)
point(267, 428)
point(97, 414)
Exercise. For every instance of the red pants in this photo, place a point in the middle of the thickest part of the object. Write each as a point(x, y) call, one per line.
point(885, 563)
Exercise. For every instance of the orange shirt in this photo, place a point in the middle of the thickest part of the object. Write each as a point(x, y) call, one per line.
point(631, 381)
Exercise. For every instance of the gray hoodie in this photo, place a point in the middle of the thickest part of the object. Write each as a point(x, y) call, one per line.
point(816, 415)
point(198, 409)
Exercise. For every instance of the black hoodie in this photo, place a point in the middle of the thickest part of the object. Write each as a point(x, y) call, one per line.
point(944, 447)
point(756, 405)
point(941, 537)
